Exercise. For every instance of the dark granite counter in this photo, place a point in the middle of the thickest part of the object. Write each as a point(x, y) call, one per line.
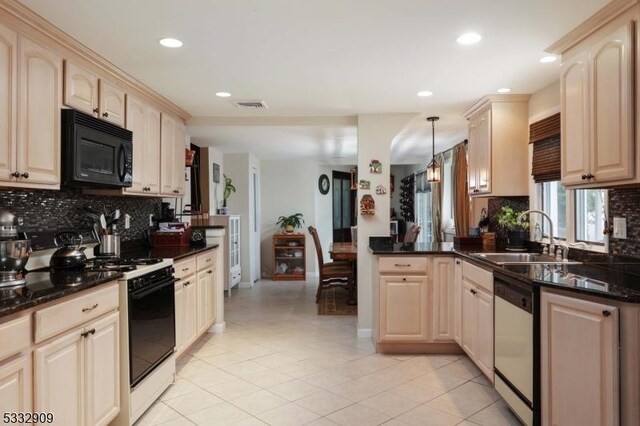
point(207, 226)
point(175, 253)
point(599, 275)
point(43, 287)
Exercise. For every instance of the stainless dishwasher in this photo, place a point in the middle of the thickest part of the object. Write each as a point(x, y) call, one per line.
point(516, 349)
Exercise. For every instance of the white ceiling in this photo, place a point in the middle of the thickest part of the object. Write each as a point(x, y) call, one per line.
point(324, 58)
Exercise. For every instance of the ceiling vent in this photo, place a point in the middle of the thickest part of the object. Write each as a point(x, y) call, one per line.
point(251, 105)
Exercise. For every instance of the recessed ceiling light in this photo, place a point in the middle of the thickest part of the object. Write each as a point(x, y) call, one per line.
point(549, 58)
point(425, 93)
point(504, 90)
point(223, 94)
point(170, 42)
point(469, 38)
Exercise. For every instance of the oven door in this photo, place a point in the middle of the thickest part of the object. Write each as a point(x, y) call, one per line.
point(152, 330)
point(101, 158)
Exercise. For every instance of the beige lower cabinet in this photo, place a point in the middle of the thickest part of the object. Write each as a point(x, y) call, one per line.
point(477, 316)
point(579, 361)
point(404, 309)
point(457, 302)
point(443, 308)
point(195, 298)
point(16, 385)
point(77, 374)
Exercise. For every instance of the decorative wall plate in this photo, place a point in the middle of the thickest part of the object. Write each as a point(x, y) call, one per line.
point(375, 166)
point(380, 190)
point(365, 184)
point(367, 205)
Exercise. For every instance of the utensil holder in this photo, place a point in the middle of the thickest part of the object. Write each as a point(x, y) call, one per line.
point(110, 245)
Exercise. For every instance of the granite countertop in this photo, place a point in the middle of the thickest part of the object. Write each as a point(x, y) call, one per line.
point(607, 276)
point(175, 253)
point(207, 226)
point(43, 287)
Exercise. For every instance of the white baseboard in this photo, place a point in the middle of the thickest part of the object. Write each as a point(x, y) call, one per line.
point(218, 327)
point(364, 333)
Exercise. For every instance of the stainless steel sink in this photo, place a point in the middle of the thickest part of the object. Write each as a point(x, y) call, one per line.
point(522, 259)
point(584, 282)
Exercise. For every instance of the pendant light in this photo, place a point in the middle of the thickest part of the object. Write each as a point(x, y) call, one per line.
point(433, 169)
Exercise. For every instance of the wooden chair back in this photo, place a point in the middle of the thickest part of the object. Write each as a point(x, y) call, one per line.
point(316, 243)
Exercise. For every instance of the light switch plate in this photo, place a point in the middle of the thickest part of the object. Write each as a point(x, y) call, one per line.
point(620, 228)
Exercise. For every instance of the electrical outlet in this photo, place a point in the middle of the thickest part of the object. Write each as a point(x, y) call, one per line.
point(151, 220)
point(620, 228)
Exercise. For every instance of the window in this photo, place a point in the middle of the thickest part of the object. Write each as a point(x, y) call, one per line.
point(423, 216)
point(590, 204)
point(554, 203)
point(578, 215)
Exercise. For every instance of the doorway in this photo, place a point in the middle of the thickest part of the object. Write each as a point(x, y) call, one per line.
point(344, 201)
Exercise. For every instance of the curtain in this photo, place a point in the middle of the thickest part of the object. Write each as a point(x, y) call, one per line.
point(436, 203)
point(460, 187)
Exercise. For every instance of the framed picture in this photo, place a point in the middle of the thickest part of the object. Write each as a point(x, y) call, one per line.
point(215, 172)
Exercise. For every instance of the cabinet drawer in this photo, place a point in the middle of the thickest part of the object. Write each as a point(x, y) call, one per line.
point(205, 260)
point(478, 276)
point(185, 268)
point(68, 314)
point(15, 336)
point(403, 265)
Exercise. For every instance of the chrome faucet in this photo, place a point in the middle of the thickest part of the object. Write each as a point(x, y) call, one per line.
point(552, 240)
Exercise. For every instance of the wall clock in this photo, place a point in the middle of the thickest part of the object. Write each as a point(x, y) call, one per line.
point(323, 184)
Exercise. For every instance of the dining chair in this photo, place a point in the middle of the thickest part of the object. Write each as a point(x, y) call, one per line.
point(412, 234)
point(332, 274)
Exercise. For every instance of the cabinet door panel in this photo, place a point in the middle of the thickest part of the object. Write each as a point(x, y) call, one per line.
point(167, 154)
point(483, 153)
point(80, 88)
point(212, 295)
point(112, 101)
point(404, 308)
point(579, 361)
point(179, 159)
point(59, 379)
point(137, 123)
point(16, 385)
point(612, 76)
point(8, 104)
point(443, 299)
point(203, 301)
point(152, 157)
point(469, 319)
point(484, 342)
point(40, 102)
point(574, 103)
point(457, 302)
point(190, 325)
point(102, 388)
point(472, 149)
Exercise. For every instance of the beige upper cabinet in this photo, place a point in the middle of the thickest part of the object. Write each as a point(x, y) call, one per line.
point(179, 159)
point(144, 122)
point(8, 104)
point(112, 101)
point(87, 92)
point(40, 81)
point(579, 361)
point(598, 78)
point(80, 88)
point(167, 155)
point(498, 146)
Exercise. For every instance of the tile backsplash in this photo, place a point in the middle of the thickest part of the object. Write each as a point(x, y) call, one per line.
point(62, 210)
point(625, 203)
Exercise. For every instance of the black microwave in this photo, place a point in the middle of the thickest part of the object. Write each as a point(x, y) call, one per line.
point(95, 153)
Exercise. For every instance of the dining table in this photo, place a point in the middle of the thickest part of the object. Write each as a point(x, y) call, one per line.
point(347, 251)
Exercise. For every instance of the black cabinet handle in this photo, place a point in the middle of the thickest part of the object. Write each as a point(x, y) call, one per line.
point(590, 176)
point(25, 175)
point(96, 110)
point(88, 332)
point(474, 292)
point(105, 114)
point(15, 174)
point(606, 313)
point(584, 176)
point(457, 262)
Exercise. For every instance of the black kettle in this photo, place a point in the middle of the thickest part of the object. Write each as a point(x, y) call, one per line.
point(70, 255)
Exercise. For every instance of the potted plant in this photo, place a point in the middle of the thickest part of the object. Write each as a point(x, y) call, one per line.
point(290, 223)
point(228, 189)
point(517, 232)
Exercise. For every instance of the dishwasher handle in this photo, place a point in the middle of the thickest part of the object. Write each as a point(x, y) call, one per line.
point(519, 295)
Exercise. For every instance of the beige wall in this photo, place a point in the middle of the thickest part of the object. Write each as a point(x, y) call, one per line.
point(545, 102)
point(375, 134)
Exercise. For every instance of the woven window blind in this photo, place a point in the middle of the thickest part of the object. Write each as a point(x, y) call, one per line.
point(545, 137)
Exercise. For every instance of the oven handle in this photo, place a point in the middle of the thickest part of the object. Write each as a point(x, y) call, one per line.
point(135, 295)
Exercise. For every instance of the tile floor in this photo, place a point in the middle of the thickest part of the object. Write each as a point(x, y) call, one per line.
point(278, 363)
